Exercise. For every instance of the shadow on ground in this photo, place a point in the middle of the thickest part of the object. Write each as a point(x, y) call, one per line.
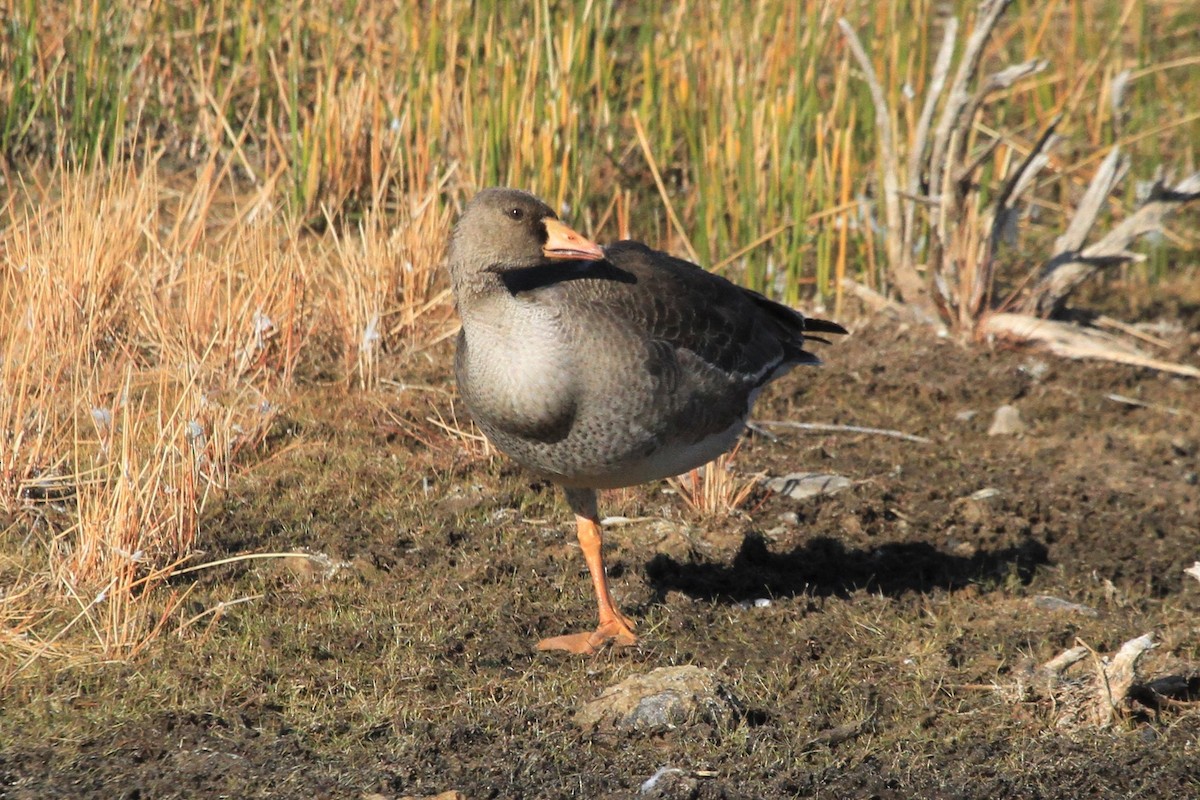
point(825, 567)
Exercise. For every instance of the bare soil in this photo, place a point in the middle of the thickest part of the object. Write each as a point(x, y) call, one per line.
point(902, 611)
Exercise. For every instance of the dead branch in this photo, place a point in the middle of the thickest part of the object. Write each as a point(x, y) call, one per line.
point(1020, 180)
point(1116, 98)
point(877, 302)
point(952, 115)
point(1068, 268)
point(1072, 341)
point(821, 427)
point(920, 142)
point(1094, 698)
point(1104, 321)
point(903, 274)
point(942, 204)
point(1055, 667)
point(994, 83)
point(1111, 170)
point(1135, 403)
point(1115, 677)
point(1004, 211)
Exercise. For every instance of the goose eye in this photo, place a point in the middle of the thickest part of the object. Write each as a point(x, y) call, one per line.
point(516, 213)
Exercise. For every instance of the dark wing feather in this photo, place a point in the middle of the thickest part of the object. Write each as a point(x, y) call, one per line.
point(733, 329)
point(822, 326)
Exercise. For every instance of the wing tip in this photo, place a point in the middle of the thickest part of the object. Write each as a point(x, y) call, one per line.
point(822, 326)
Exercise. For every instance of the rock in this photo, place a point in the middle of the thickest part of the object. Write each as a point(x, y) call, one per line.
point(1050, 603)
point(313, 566)
point(975, 512)
point(1007, 422)
point(960, 549)
point(802, 485)
point(660, 700)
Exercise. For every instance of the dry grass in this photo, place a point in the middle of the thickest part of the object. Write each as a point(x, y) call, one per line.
point(152, 347)
point(716, 489)
point(754, 116)
point(386, 283)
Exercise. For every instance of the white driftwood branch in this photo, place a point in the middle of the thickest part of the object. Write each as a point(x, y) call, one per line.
point(1072, 341)
point(1093, 698)
point(906, 278)
point(1147, 219)
point(1115, 678)
point(1010, 75)
point(994, 83)
point(1056, 666)
point(1111, 170)
point(920, 142)
point(823, 427)
point(1004, 212)
point(960, 97)
point(879, 302)
point(1116, 97)
point(1068, 269)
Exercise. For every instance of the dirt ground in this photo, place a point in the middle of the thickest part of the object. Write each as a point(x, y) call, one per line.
point(902, 611)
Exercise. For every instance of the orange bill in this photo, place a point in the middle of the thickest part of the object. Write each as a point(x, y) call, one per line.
point(564, 243)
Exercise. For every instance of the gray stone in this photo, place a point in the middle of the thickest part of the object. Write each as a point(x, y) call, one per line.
point(1048, 602)
point(802, 485)
point(661, 700)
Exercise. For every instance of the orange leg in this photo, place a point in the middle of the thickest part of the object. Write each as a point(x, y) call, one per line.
point(614, 626)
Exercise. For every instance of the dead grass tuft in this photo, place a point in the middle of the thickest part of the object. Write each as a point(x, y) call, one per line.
point(153, 346)
point(716, 489)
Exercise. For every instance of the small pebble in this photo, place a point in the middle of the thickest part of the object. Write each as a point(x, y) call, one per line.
point(1007, 422)
point(1035, 368)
